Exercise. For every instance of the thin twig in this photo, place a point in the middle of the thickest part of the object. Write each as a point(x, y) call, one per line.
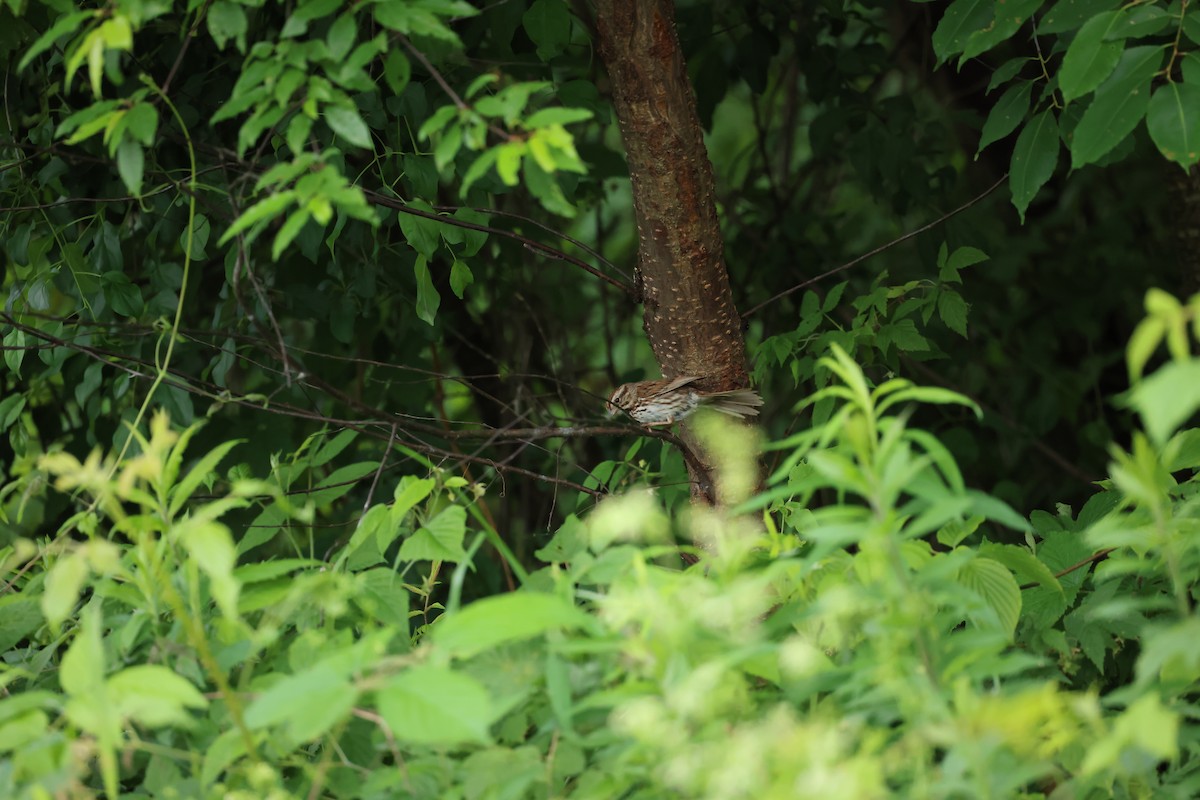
point(880, 249)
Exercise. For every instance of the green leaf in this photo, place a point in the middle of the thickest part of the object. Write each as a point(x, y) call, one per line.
point(1023, 563)
point(1173, 119)
point(347, 124)
point(439, 539)
point(1009, 17)
point(409, 492)
point(502, 619)
point(435, 706)
point(1167, 398)
point(428, 298)
point(210, 545)
point(341, 481)
point(962, 18)
point(142, 122)
point(182, 491)
point(992, 581)
point(154, 696)
point(548, 24)
point(131, 162)
point(1120, 104)
point(1067, 15)
point(341, 36)
point(1006, 115)
point(1141, 20)
point(227, 21)
point(421, 233)
point(953, 311)
point(64, 582)
point(68, 23)
point(557, 116)
point(1033, 160)
point(288, 231)
point(1090, 58)
point(308, 703)
point(397, 70)
point(1007, 71)
point(265, 209)
point(460, 278)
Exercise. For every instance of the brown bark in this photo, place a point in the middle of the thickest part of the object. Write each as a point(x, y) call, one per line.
point(689, 316)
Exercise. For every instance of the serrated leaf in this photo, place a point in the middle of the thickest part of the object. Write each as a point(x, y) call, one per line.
point(1033, 160)
point(439, 539)
point(953, 311)
point(1173, 119)
point(992, 581)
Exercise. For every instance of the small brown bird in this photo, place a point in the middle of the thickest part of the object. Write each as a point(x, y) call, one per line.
point(665, 402)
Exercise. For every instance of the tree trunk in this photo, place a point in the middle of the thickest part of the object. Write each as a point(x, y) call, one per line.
point(689, 316)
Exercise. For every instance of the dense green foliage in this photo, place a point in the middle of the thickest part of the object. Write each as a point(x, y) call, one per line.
point(296, 302)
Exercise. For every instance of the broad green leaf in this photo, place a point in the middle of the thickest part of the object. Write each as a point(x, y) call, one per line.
point(1067, 15)
point(142, 122)
point(83, 665)
point(1173, 119)
point(548, 24)
point(227, 20)
point(433, 705)
point(1006, 115)
point(20, 616)
point(1007, 71)
point(397, 70)
point(264, 209)
point(439, 539)
point(307, 703)
point(953, 311)
point(1010, 16)
point(131, 162)
point(340, 38)
point(993, 581)
point(1167, 398)
point(1120, 104)
point(409, 492)
point(69, 23)
point(1090, 58)
point(64, 582)
point(346, 123)
point(229, 746)
point(428, 298)
point(421, 233)
point(1033, 160)
point(183, 490)
point(1141, 20)
point(155, 696)
point(962, 19)
point(557, 116)
point(460, 278)
point(502, 619)
point(341, 481)
point(288, 231)
point(211, 546)
point(1023, 563)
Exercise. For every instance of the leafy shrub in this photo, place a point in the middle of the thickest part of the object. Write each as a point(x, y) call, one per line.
point(857, 629)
